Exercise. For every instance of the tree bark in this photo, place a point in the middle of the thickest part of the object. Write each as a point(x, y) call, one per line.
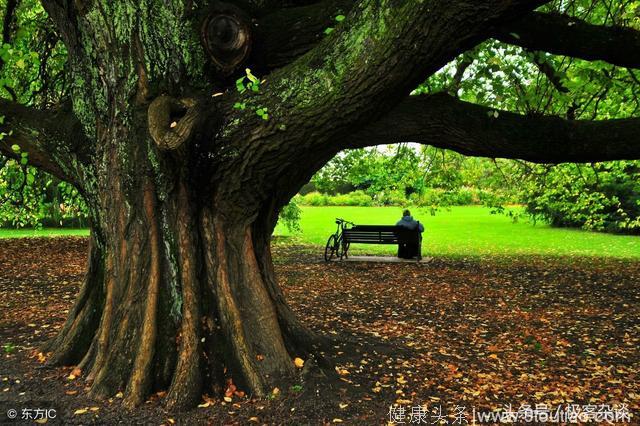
point(179, 295)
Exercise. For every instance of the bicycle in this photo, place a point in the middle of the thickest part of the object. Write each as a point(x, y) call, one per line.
point(335, 244)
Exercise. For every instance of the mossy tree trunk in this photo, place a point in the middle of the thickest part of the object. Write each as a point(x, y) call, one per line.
point(184, 176)
point(180, 287)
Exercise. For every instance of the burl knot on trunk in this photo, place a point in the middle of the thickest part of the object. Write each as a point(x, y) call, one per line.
point(227, 37)
point(172, 121)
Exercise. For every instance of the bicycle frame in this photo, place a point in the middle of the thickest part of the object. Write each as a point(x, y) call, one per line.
point(335, 244)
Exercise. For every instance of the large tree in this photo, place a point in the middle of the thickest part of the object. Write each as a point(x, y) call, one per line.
point(184, 158)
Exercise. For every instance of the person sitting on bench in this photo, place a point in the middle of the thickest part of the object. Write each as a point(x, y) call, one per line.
point(408, 250)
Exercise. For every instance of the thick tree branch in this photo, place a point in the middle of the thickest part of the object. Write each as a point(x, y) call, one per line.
point(54, 139)
point(445, 122)
point(289, 33)
point(564, 35)
point(378, 54)
point(373, 59)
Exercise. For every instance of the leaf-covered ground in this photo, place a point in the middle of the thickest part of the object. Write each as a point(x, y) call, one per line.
point(450, 333)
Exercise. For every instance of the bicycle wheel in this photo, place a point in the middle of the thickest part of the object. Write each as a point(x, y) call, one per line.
point(330, 249)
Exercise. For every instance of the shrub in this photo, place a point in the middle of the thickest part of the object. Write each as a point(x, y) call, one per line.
point(290, 216)
point(429, 197)
point(459, 197)
point(455, 197)
point(314, 199)
point(392, 198)
point(355, 198)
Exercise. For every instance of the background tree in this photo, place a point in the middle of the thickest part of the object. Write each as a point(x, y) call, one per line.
point(184, 158)
point(600, 196)
point(32, 62)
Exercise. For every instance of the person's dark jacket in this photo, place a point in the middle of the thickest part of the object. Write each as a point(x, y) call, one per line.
point(409, 223)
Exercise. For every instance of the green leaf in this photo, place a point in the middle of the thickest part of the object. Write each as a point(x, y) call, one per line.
point(240, 85)
point(340, 18)
point(251, 77)
point(262, 113)
point(15, 148)
point(328, 31)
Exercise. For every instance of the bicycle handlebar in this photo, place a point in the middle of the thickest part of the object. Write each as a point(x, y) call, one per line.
point(339, 221)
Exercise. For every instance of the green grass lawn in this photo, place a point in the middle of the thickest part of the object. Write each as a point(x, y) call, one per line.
point(470, 231)
point(46, 232)
point(460, 231)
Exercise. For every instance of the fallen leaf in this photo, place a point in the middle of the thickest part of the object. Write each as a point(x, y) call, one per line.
point(342, 371)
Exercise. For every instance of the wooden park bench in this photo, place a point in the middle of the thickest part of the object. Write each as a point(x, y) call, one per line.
point(381, 234)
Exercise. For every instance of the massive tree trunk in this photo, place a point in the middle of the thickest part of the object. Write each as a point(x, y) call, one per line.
point(184, 188)
point(179, 289)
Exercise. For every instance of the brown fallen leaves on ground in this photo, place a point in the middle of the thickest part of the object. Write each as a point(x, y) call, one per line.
point(476, 333)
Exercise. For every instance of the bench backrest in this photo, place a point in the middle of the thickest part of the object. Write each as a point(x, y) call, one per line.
point(381, 234)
